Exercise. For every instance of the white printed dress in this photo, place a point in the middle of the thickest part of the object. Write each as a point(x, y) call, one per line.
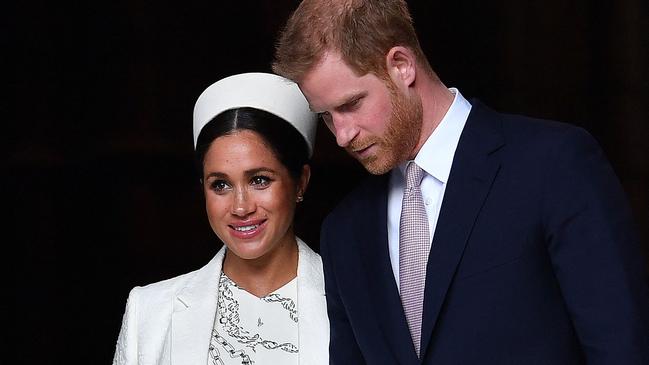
point(251, 330)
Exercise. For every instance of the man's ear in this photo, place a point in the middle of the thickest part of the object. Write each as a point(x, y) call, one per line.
point(401, 65)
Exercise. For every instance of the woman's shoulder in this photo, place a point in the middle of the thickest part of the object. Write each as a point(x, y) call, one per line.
point(306, 252)
point(159, 293)
point(155, 297)
point(164, 288)
point(309, 267)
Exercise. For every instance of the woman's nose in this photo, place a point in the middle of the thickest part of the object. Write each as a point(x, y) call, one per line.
point(242, 203)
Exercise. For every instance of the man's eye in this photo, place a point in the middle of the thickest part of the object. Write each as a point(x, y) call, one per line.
point(353, 103)
point(260, 181)
point(350, 106)
point(219, 186)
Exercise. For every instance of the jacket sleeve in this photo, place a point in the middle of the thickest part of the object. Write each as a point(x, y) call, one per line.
point(127, 346)
point(596, 255)
point(343, 347)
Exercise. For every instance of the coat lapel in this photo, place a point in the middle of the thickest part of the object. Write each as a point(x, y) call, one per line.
point(195, 307)
point(193, 316)
point(313, 325)
point(383, 292)
point(474, 168)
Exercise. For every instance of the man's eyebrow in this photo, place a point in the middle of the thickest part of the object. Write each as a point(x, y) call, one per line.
point(351, 98)
point(355, 96)
point(346, 99)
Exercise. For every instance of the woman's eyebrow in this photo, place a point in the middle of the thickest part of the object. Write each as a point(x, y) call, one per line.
point(218, 175)
point(260, 169)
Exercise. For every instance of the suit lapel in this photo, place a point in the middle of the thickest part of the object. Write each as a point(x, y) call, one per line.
point(193, 316)
point(474, 168)
point(383, 293)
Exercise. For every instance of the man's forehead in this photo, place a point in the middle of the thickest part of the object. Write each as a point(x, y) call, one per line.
point(331, 83)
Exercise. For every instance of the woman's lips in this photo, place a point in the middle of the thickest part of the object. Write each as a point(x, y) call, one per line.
point(247, 229)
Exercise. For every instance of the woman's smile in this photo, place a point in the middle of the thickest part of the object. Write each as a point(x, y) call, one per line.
point(247, 229)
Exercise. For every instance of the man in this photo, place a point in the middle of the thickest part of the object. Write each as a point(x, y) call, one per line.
point(486, 238)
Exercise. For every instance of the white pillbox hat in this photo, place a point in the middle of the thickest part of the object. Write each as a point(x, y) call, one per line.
point(271, 93)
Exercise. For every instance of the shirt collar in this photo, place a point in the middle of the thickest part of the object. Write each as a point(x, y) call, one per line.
point(436, 155)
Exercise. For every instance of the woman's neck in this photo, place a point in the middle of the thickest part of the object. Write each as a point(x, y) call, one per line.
point(265, 274)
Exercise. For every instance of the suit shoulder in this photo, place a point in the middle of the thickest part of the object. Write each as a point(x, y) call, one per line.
point(371, 188)
point(524, 129)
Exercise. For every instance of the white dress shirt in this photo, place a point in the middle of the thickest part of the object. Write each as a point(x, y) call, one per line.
point(435, 157)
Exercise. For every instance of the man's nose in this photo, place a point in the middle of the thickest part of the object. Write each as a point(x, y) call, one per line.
point(344, 130)
point(242, 203)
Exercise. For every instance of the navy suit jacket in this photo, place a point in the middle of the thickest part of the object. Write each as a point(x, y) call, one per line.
point(534, 259)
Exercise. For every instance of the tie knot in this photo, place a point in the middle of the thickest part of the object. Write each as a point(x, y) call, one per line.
point(414, 174)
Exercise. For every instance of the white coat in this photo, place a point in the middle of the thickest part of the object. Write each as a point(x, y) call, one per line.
point(170, 322)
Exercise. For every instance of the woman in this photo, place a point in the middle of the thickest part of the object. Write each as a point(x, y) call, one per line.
point(260, 300)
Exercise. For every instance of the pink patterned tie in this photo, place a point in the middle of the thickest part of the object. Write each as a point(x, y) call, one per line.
point(414, 245)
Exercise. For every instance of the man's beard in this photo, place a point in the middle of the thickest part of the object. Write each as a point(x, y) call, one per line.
point(401, 136)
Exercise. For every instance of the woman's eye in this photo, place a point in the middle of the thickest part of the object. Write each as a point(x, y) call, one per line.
point(260, 181)
point(219, 186)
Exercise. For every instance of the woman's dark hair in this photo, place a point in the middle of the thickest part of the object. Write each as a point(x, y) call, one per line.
point(282, 138)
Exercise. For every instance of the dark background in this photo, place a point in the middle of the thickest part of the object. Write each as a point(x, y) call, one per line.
point(101, 189)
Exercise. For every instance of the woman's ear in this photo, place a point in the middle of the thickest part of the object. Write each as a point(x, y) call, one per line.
point(304, 182)
point(401, 65)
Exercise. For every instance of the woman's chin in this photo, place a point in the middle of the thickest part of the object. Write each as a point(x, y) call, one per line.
point(250, 250)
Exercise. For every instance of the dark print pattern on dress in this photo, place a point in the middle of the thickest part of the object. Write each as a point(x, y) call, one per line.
point(250, 330)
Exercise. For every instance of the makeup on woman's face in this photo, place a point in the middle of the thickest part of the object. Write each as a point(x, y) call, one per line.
point(249, 195)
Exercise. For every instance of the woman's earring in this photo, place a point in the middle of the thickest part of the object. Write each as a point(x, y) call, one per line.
point(299, 198)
